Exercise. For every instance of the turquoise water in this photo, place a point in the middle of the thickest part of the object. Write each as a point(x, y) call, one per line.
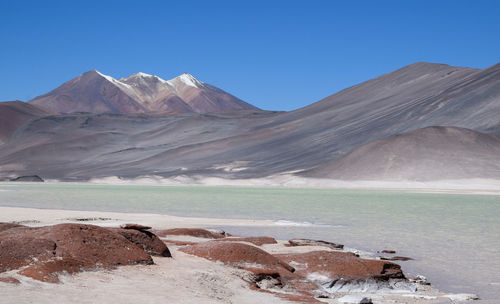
point(455, 239)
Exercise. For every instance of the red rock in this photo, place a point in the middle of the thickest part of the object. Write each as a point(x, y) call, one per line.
point(135, 226)
point(48, 271)
point(259, 240)
point(343, 265)
point(6, 226)
point(91, 246)
point(10, 280)
point(396, 258)
point(20, 250)
point(238, 255)
point(146, 240)
point(196, 232)
point(179, 243)
point(308, 242)
point(388, 251)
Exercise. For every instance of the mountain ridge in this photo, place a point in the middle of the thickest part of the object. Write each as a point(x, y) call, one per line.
point(97, 93)
point(255, 143)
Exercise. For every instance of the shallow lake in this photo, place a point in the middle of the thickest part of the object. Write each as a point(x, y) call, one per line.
point(454, 238)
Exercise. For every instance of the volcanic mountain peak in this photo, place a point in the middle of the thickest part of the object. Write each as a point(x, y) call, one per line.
point(98, 93)
point(188, 80)
point(141, 77)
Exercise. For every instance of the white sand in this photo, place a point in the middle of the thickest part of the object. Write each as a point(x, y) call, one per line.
point(44, 217)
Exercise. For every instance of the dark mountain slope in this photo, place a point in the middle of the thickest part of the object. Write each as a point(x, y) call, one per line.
point(432, 153)
point(13, 114)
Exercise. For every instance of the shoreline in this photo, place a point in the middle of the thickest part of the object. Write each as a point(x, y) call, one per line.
point(462, 186)
point(211, 280)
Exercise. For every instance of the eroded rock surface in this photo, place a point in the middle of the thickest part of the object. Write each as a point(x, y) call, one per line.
point(6, 226)
point(258, 240)
point(9, 280)
point(48, 271)
point(144, 239)
point(69, 248)
point(135, 226)
point(238, 255)
point(195, 232)
point(308, 242)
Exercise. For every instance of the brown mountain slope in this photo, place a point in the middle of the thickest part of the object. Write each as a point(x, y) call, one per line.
point(432, 153)
point(13, 114)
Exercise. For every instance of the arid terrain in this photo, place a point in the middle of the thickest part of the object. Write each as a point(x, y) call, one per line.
point(127, 128)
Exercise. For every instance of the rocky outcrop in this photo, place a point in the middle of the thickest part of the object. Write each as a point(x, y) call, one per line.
point(70, 248)
point(145, 240)
point(135, 226)
point(345, 265)
point(238, 255)
point(388, 251)
point(18, 250)
point(6, 226)
point(27, 178)
point(9, 280)
point(92, 244)
point(308, 242)
point(48, 271)
point(396, 258)
point(258, 240)
point(195, 232)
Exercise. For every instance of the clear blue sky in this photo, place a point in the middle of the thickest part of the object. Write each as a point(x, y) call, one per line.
point(277, 55)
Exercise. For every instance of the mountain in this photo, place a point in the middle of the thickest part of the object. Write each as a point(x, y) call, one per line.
point(97, 93)
point(432, 153)
point(13, 114)
point(254, 143)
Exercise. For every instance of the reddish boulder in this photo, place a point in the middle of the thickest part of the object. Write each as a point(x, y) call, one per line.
point(48, 271)
point(238, 255)
point(20, 250)
point(92, 244)
point(308, 242)
point(146, 240)
point(259, 240)
point(6, 226)
point(343, 265)
point(135, 226)
point(179, 243)
point(196, 232)
point(9, 280)
point(388, 251)
point(396, 258)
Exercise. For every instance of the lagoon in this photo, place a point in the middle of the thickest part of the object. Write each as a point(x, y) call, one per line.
point(454, 238)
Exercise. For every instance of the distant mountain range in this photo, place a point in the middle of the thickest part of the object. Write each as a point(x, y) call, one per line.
point(424, 121)
point(96, 93)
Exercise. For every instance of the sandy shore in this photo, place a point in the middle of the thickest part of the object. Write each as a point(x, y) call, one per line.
point(43, 217)
point(181, 279)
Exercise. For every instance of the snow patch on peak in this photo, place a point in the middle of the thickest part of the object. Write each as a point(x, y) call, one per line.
point(109, 78)
point(142, 75)
point(189, 80)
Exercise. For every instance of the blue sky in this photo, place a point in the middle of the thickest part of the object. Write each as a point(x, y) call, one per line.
point(277, 55)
